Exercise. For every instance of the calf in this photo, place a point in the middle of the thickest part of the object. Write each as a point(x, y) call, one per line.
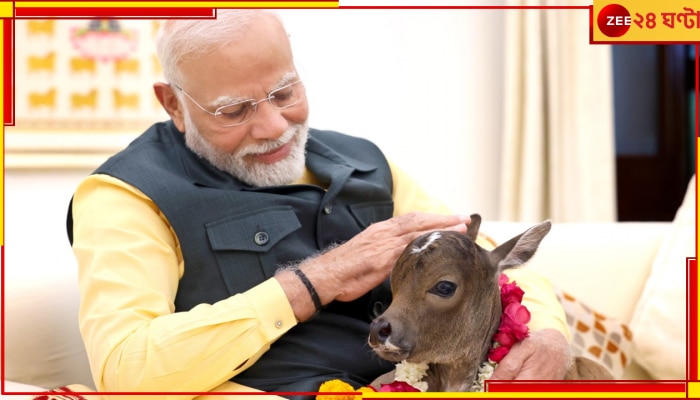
point(446, 305)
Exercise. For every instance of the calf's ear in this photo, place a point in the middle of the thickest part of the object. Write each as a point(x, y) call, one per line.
point(473, 227)
point(520, 249)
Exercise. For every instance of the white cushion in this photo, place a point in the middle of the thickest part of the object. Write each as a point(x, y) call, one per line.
point(659, 320)
point(43, 346)
point(16, 387)
point(587, 259)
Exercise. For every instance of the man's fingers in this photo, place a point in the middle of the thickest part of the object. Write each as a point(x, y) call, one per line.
point(508, 369)
point(421, 222)
point(544, 355)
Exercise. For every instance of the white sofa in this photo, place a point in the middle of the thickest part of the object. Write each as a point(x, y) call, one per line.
point(612, 267)
point(604, 265)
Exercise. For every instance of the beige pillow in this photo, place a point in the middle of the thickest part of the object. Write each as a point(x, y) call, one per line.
point(596, 336)
point(659, 320)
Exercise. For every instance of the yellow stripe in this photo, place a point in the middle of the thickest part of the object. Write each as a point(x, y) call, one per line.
point(178, 4)
point(6, 9)
point(693, 390)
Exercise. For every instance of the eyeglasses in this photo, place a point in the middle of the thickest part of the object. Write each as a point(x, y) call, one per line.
point(242, 111)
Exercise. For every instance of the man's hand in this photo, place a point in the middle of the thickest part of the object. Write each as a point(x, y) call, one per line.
point(363, 262)
point(544, 355)
point(353, 268)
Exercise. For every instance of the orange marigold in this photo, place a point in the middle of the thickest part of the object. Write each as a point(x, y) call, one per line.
point(335, 385)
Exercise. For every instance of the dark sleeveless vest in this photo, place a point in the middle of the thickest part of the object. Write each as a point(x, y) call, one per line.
point(234, 237)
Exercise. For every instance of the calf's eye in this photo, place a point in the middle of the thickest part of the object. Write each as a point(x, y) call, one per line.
point(444, 289)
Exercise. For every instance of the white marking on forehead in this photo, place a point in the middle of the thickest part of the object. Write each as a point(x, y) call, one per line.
point(431, 239)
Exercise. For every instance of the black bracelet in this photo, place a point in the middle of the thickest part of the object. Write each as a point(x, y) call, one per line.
point(309, 287)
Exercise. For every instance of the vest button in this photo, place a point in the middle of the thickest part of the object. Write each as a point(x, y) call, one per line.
point(261, 238)
point(327, 209)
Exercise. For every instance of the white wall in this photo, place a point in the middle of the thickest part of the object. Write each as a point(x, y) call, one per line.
point(423, 84)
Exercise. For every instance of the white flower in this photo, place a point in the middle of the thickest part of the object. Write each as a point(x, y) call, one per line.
point(413, 374)
point(485, 372)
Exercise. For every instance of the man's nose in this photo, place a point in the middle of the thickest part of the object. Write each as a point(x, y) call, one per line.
point(268, 122)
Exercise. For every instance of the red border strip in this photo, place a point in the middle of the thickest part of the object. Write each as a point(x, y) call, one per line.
point(116, 12)
point(587, 386)
point(8, 27)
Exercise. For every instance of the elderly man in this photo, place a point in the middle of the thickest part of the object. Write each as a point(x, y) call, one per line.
point(232, 242)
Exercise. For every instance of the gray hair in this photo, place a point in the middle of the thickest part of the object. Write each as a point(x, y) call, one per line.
point(182, 40)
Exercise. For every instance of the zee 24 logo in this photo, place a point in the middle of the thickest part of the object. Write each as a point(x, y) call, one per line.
point(614, 20)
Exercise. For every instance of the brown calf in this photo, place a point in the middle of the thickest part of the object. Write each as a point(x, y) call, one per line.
point(446, 305)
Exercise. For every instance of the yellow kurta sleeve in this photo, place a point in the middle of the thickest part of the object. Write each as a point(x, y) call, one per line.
point(539, 296)
point(129, 264)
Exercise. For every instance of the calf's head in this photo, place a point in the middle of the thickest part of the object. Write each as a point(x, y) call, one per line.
point(446, 300)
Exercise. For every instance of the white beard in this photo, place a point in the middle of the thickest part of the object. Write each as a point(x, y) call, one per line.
point(283, 172)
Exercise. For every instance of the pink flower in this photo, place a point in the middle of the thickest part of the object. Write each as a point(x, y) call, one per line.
point(497, 354)
point(513, 327)
point(397, 386)
point(517, 312)
point(514, 320)
point(505, 339)
point(511, 293)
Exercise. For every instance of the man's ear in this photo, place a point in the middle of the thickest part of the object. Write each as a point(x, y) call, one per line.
point(165, 94)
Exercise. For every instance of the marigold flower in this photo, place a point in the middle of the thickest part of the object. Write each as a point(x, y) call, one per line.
point(336, 385)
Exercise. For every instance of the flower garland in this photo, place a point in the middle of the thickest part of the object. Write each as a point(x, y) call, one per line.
point(511, 330)
point(409, 376)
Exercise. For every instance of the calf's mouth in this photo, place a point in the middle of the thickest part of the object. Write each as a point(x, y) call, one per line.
point(390, 352)
point(380, 340)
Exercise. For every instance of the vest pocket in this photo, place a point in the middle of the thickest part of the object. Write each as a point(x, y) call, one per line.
point(242, 244)
point(257, 231)
point(368, 213)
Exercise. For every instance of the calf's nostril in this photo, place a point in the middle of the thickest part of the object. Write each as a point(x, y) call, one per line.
point(382, 330)
point(385, 331)
point(379, 331)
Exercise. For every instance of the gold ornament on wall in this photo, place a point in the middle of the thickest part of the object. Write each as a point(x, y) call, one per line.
point(65, 67)
point(83, 88)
